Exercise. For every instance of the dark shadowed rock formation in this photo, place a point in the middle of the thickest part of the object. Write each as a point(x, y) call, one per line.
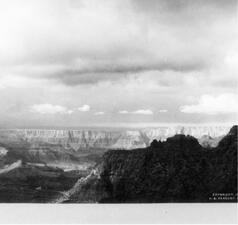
point(178, 170)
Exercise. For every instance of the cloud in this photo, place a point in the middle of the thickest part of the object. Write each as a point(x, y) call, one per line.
point(58, 50)
point(110, 70)
point(178, 6)
point(84, 108)
point(49, 109)
point(163, 110)
point(99, 113)
point(139, 111)
point(58, 37)
point(143, 112)
point(123, 112)
point(208, 104)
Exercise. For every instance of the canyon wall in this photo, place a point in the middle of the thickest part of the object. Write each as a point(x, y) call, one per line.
point(111, 139)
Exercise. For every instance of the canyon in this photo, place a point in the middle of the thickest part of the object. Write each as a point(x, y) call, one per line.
point(93, 165)
point(83, 139)
point(176, 170)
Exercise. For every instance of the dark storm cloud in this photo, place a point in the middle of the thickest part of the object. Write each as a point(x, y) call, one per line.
point(178, 5)
point(125, 38)
point(194, 47)
point(116, 72)
point(185, 13)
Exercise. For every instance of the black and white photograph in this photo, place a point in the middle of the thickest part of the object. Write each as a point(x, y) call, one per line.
point(118, 101)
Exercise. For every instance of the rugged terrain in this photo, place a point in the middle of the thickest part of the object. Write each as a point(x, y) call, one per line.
point(178, 170)
point(82, 149)
point(78, 166)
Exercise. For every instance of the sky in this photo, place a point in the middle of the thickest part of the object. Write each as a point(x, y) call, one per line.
point(118, 62)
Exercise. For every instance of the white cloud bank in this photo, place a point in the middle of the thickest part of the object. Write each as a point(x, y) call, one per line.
point(143, 112)
point(50, 109)
point(123, 112)
point(207, 104)
point(139, 111)
point(99, 113)
point(84, 108)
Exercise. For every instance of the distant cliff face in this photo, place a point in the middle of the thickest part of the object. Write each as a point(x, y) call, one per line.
point(82, 149)
point(110, 139)
point(178, 170)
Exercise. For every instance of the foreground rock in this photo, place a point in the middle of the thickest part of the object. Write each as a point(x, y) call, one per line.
point(178, 170)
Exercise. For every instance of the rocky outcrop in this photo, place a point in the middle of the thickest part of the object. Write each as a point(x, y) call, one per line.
point(177, 170)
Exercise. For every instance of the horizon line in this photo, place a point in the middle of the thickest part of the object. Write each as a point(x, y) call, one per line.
point(121, 125)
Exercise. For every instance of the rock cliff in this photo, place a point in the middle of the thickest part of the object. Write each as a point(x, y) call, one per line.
point(177, 170)
point(110, 139)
